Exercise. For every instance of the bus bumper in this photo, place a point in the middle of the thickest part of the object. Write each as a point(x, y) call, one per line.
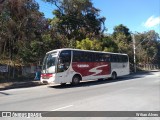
point(47, 78)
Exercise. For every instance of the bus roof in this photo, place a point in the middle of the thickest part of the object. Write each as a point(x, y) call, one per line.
point(57, 50)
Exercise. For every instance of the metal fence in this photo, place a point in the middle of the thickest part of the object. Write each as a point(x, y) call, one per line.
point(14, 73)
point(149, 67)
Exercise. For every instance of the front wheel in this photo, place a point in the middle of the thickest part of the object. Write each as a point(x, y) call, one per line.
point(114, 76)
point(75, 80)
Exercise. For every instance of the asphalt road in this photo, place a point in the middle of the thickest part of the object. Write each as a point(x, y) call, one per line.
point(139, 92)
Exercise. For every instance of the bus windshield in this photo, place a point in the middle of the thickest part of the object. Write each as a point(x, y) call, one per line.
point(49, 63)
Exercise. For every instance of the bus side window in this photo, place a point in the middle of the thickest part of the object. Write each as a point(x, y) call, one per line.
point(76, 56)
point(90, 57)
point(93, 57)
point(107, 57)
point(82, 56)
point(124, 58)
point(87, 57)
point(118, 58)
point(101, 57)
point(113, 58)
point(121, 58)
point(96, 57)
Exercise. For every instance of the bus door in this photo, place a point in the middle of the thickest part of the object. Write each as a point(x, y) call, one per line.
point(63, 66)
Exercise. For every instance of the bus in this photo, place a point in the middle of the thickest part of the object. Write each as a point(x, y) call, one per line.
point(68, 65)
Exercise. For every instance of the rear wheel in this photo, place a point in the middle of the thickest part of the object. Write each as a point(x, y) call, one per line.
point(75, 80)
point(114, 76)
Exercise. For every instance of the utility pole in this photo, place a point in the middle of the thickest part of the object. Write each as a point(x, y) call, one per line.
point(134, 52)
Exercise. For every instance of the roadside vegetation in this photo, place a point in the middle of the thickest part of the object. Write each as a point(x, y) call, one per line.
point(26, 35)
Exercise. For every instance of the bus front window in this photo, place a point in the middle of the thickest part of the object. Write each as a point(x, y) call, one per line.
point(49, 63)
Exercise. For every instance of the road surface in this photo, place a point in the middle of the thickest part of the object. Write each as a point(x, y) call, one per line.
point(139, 92)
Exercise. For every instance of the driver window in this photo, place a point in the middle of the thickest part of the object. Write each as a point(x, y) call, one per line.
point(64, 60)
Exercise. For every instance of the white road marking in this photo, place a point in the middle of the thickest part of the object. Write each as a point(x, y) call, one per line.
point(62, 108)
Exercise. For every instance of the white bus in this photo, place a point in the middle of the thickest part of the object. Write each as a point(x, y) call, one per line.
point(68, 65)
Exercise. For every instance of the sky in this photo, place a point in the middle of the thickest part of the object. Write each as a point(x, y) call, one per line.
point(137, 15)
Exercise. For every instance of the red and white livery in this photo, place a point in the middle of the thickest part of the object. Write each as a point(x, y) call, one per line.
point(67, 65)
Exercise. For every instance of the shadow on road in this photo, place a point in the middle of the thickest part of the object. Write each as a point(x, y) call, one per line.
point(13, 85)
point(3, 93)
point(106, 81)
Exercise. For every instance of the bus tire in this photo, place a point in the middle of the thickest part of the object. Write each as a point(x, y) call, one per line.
point(75, 80)
point(114, 76)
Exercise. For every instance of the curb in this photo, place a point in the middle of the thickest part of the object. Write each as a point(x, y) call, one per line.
point(6, 86)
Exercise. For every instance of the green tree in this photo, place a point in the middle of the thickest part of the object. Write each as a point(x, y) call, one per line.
point(21, 22)
point(108, 45)
point(147, 50)
point(87, 44)
point(122, 38)
point(122, 30)
point(76, 20)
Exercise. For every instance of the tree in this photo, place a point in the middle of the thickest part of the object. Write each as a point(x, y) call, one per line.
point(76, 20)
point(122, 38)
point(147, 47)
point(21, 22)
point(108, 45)
point(87, 44)
point(123, 31)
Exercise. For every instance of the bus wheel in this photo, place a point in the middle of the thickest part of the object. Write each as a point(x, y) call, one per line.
point(114, 76)
point(75, 80)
